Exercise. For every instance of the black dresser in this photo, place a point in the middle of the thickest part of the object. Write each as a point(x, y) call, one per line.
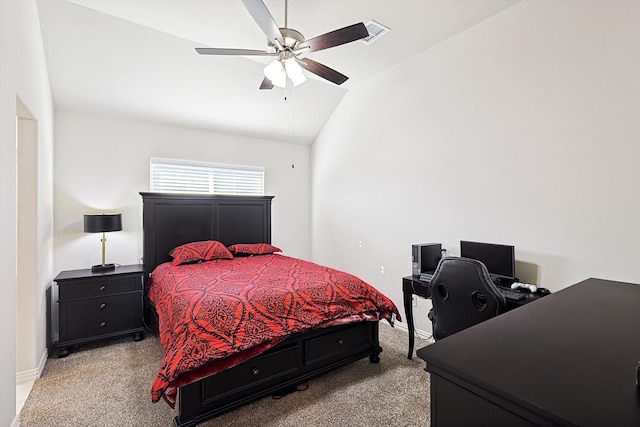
point(568, 359)
point(94, 306)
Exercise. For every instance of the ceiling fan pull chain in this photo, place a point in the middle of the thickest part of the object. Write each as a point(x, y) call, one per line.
point(293, 110)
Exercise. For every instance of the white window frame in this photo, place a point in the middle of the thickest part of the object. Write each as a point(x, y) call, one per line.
point(185, 176)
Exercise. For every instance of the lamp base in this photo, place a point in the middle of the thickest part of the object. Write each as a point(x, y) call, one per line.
point(102, 268)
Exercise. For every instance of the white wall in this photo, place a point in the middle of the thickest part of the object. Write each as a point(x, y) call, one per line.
point(24, 81)
point(522, 130)
point(102, 163)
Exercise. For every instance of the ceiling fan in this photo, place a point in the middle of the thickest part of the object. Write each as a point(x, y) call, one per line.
point(288, 46)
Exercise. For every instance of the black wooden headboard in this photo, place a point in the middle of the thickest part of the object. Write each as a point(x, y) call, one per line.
point(170, 220)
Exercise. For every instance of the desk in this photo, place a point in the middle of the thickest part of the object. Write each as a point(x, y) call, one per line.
point(568, 360)
point(413, 286)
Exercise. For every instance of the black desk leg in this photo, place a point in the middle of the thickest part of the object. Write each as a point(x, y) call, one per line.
point(408, 311)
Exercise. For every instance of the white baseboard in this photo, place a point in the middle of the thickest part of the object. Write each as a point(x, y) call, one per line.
point(425, 335)
point(32, 374)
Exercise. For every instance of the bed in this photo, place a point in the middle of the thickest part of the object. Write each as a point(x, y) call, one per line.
point(171, 220)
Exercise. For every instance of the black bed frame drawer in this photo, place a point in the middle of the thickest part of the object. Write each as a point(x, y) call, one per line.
point(257, 371)
point(337, 344)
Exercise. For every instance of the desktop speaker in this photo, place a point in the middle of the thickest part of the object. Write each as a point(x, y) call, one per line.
point(425, 258)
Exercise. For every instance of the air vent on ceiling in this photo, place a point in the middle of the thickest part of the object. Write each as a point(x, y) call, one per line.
point(375, 30)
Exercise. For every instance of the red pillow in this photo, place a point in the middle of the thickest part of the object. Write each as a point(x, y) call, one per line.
point(253, 248)
point(205, 250)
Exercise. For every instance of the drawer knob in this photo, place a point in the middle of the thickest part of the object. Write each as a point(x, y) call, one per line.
point(103, 287)
point(339, 341)
point(103, 324)
point(103, 305)
point(255, 371)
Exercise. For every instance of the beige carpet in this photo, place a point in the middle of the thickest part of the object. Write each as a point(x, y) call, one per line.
point(109, 385)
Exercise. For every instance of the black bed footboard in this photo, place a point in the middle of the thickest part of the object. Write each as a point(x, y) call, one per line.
point(291, 362)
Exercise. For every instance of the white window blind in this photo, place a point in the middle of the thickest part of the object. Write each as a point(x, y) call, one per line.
point(176, 176)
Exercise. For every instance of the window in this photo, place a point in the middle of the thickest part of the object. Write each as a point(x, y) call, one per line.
point(177, 176)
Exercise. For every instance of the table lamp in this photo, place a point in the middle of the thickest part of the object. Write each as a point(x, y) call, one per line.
point(101, 224)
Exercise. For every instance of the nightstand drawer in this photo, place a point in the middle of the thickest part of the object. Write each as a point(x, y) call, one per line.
point(94, 287)
point(100, 316)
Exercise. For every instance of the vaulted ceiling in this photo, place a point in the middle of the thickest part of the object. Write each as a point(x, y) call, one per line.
point(137, 57)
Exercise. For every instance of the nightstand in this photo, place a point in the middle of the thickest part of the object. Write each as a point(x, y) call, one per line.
point(94, 306)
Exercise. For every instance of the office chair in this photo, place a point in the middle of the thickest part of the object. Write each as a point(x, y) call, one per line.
point(463, 295)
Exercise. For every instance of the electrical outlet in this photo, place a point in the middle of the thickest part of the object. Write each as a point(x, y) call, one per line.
point(382, 269)
point(414, 300)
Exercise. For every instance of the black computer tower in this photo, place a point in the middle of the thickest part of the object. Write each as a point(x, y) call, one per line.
point(425, 257)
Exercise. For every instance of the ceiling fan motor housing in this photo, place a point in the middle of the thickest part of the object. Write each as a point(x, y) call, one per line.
point(291, 39)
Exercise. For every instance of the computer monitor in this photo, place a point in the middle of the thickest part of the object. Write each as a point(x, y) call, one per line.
point(500, 260)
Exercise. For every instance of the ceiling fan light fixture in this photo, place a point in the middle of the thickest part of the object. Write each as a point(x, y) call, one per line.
point(294, 71)
point(276, 73)
point(280, 80)
point(272, 70)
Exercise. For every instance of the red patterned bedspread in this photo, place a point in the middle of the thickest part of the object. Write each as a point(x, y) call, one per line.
point(216, 314)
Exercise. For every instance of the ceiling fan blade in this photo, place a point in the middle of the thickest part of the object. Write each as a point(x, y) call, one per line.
point(323, 71)
point(223, 51)
point(263, 18)
point(336, 37)
point(266, 84)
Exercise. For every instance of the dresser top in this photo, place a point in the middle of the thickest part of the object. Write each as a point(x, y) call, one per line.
point(87, 273)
